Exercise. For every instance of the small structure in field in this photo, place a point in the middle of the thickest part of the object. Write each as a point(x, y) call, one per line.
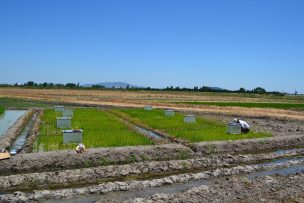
point(59, 108)
point(189, 119)
point(72, 136)
point(169, 112)
point(63, 122)
point(234, 128)
point(148, 108)
point(68, 113)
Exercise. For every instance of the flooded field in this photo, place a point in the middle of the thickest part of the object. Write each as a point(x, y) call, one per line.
point(8, 119)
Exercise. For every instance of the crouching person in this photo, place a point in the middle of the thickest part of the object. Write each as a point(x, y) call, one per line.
point(244, 126)
point(80, 148)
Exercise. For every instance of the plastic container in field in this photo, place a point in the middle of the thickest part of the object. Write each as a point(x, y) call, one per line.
point(234, 128)
point(68, 113)
point(189, 118)
point(148, 108)
point(64, 122)
point(72, 136)
point(169, 112)
point(59, 108)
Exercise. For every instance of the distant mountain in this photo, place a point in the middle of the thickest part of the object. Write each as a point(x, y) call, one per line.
point(123, 85)
point(217, 88)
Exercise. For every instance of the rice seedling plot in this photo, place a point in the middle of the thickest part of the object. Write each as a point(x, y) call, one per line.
point(100, 130)
point(249, 104)
point(1, 110)
point(201, 130)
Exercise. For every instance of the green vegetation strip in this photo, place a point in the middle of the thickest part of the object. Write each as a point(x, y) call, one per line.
point(16, 103)
point(100, 130)
point(201, 130)
point(249, 104)
point(1, 110)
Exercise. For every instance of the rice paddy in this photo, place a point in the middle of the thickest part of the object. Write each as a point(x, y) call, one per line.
point(100, 130)
point(201, 130)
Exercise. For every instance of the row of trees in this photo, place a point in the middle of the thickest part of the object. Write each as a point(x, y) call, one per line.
point(32, 84)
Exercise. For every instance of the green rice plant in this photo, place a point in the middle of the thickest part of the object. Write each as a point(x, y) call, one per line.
point(2, 110)
point(101, 129)
point(249, 104)
point(201, 130)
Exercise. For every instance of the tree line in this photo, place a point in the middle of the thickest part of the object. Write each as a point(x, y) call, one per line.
point(32, 84)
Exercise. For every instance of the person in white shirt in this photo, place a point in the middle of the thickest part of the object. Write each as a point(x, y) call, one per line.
point(245, 126)
point(80, 148)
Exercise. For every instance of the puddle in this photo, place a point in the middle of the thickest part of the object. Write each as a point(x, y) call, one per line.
point(281, 161)
point(17, 146)
point(282, 171)
point(120, 196)
point(283, 151)
point(8, 119)
point(148, 132)
point(180, 187)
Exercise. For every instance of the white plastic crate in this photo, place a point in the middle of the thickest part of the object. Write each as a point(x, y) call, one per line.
point(68, 113)
point(189, 119)
point(234, 128)
point(72, 136)
point(59, 108)
point(148, 108)
point(63, 122)
point(169, 112)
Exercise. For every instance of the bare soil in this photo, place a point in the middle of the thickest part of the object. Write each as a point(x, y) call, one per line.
point(239, 189)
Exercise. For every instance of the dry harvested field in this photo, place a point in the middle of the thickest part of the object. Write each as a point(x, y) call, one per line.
point(162, 99)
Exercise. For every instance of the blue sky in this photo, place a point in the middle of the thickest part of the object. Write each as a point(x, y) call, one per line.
point(157, 43)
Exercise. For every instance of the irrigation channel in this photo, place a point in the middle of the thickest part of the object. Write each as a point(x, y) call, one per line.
point(8, 119)
point(171, 183)
point(180, 187)
point(21, 139)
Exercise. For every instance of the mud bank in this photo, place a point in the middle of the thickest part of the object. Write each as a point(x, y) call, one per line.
point(39, 195)
point(69, 159)
point(249, 145)
point(11, 134)
point(240, 189)
point(94, 175)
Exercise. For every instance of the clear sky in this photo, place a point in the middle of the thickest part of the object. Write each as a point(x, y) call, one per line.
point(157, 43)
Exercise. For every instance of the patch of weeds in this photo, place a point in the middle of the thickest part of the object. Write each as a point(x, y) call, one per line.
point(211, 149)
point(132, 158)
point(182, 154)
point(104, 162)
point(143, 157)
point(88, 163)
point(262, 141)
point(185, 164)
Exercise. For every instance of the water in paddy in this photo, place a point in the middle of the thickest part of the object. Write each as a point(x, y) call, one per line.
point(148, 133)
point(22, 136)
point(8, 118)
point(180, 187)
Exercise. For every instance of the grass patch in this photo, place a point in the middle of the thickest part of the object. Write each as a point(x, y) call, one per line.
point(100, 130)
point(2, 110)
point(15, 103)
point(201, 130)
point(249, 104)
